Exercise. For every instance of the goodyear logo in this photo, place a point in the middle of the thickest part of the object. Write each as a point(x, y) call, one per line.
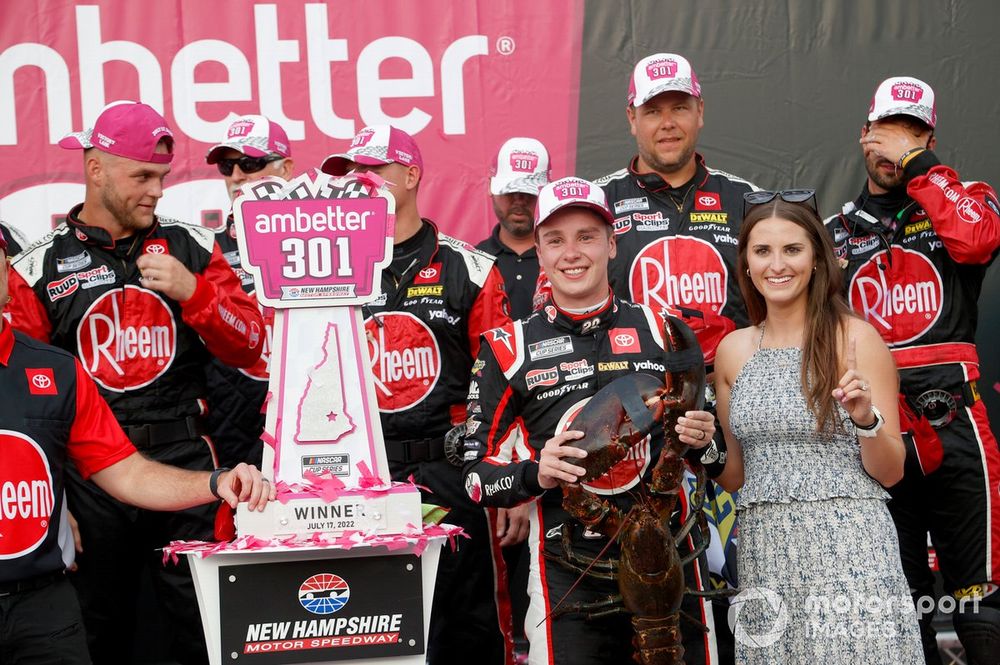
point(417, 291)
point(612, 366)
point(716, 217)
point(917, 227)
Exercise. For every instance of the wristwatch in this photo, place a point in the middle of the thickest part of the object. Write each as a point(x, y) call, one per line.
point(870, 431)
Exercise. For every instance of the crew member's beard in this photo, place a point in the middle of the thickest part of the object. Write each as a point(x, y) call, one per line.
point(886, 182)
point(116, 206)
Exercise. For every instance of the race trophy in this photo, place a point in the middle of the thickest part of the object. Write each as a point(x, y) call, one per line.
point(340, 567)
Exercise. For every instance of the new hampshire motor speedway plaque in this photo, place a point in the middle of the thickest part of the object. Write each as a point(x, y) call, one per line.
point(321, 610)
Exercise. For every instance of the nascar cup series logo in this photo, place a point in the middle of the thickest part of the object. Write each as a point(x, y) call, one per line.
point(127, 347)
point(26, 497)
point(679, 271)
point(405, 359)
point(903, 300)
point(622, 476)
point(324, 593)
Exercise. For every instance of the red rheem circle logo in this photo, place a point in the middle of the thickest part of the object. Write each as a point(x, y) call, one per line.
point(26, 497)
point(622, 476)
point(405, 359)
point(903, 300)
point(127, 338)
point(679, 271)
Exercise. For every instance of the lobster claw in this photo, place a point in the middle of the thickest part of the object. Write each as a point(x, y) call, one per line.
point(619, 416)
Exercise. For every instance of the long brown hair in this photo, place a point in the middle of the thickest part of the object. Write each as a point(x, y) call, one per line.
point(827, 310)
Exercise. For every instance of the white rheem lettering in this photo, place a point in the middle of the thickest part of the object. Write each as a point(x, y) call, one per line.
point(663, 288)
point(25, 499)
point(130, 342)
point(879, 300)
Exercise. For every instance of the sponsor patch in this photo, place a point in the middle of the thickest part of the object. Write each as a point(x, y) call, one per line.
point(547, 348)
point(628, 205)
point(970, 210)
point(61, 288)
point(41, 381)
point(863, 244)
point(73, 263)
point(917, 227)
point(155, 246)
point(417, 291)
point(478, 366)
point(707, 201)
point(623, 224)
point(27, 498)
point(562, 390)
point(474, 487)
point(624, 340)
point(613, 366)
point(405, 360)
point(713, 217)
point(429, 275)
point(576, 370)
point(541, 377)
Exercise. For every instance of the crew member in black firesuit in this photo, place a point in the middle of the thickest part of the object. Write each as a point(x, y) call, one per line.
point(536, 374)
point(438, 295)
point(676, 221)
point(915, 245)
point(254, 148)
point(144, 303)
point(52, 413)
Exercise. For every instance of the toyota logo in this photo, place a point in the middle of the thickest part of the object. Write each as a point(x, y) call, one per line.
point(156, 249)
point(428, 273)
point(706, 200)
point(624, 340)
point(41, 381)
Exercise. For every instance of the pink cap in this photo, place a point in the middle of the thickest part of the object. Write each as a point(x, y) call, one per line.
point(570, 192)
point(659, 73)
point(375, 145)
point(903, 95)
point(522, 165)
point(128, 129)
point(255, 136)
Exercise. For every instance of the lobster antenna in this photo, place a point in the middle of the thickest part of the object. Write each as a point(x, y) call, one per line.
point(586, 570)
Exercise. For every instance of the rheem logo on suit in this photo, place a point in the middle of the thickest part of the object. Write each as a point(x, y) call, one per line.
point(680, 271)
point(26, 496)
point(405, 359)
point(622, 476)
point(902, 305)
point(127, 338)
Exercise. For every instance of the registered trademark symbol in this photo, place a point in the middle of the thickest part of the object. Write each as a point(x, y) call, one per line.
point(505, 45)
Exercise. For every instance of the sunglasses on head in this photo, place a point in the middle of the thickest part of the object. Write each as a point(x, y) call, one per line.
point(751, 199)
point(246, 163)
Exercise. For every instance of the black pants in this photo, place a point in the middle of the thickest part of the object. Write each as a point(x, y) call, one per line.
point(470, 615)
point(42, 627)
point(118, 540)
point(594, 636)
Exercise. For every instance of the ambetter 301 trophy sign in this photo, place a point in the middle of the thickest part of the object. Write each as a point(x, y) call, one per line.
point(333, 561)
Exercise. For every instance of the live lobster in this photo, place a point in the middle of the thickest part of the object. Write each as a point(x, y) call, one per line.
point(649, 571)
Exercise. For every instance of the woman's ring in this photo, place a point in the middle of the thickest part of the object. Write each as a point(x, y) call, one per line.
point(864, 385)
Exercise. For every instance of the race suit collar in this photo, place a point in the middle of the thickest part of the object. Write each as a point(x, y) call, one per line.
point(653, 182)
point(96, 236)
point(582, 324)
